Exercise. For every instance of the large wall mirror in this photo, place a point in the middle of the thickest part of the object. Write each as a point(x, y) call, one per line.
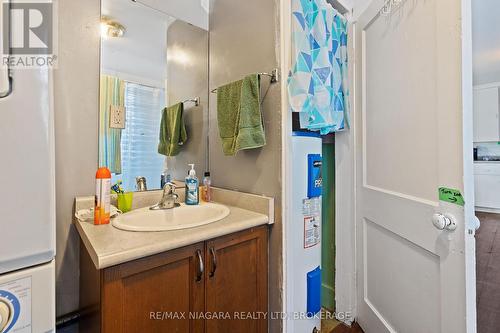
point(153, 112)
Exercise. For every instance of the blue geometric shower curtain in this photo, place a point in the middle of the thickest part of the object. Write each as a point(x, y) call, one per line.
point(317, 84)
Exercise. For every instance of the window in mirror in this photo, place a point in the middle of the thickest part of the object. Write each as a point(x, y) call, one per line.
point(140, 139)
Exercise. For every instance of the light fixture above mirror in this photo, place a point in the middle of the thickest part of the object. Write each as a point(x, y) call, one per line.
point(111, 28)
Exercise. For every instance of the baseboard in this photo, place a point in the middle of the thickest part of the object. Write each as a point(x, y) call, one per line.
point(488, 210)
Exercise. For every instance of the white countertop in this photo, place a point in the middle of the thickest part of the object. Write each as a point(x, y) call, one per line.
point(109, 246)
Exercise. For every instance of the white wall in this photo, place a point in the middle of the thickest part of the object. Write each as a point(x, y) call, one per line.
point(140, 55)
point(187, 67)
point(359, 7)
point(243, 40)
point(76, 92)
point(191, 11)
point(486, 41)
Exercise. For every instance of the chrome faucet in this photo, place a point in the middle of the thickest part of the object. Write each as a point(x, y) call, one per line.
point(140, 184)
point(168, 198)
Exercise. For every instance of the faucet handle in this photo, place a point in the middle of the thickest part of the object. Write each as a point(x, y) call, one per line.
point(168, 198)
point(170, 187)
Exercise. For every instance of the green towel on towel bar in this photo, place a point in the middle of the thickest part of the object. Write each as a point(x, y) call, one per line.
point(172, 130)
point(239, 116)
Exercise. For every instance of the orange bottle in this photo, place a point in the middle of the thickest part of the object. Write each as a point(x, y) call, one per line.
point(102, 196)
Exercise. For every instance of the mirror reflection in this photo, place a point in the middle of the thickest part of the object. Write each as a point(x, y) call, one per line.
point(153, 114)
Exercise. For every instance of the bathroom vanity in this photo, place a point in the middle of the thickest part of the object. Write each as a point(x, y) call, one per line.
point(210, 278)
point(175, 268)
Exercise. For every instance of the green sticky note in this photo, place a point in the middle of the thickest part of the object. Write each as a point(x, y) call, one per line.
point(451, 195)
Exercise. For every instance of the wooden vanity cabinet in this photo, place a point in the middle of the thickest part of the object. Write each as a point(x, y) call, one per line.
point(176, 291)
point(236, 281)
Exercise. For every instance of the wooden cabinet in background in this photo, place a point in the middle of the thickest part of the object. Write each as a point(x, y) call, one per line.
point(176, 291)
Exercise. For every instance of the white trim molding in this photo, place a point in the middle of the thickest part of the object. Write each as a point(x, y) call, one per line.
point(345, 213)
point(286, 137)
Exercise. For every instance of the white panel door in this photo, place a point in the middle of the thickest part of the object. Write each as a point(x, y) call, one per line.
point(409, 141)
point(486, 107)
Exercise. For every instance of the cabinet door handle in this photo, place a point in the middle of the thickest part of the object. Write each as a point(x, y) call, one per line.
point(201, 267)
point(214, 262)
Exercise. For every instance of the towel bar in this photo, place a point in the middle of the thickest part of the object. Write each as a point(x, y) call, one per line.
point(274, 75)
point(196, 101)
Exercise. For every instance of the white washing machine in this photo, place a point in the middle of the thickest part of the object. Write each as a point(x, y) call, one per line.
point(27, 300)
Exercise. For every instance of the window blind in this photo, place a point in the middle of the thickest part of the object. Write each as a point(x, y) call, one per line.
point(139, 143)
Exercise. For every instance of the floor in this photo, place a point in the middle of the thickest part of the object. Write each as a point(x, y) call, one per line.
point(335, 326)
point(488, 273)
point(327, 325)
point(346, 329)
point(68, 329)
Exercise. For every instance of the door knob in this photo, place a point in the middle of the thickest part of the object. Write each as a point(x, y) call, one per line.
point(477, 222)
point(444, 221)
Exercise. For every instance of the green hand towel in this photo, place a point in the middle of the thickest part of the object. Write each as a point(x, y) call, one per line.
point(239, 116)
point(172, 130)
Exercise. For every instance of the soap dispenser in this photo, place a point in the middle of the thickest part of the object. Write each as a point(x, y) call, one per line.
point(192, 187)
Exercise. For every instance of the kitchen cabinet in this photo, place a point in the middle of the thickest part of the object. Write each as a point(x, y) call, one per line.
point(487, 186)
point(486, 114)
point(181, 290)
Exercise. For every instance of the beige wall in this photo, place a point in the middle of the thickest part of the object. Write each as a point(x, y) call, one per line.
point(76, 99)
point(189, 80)
point(243, 41)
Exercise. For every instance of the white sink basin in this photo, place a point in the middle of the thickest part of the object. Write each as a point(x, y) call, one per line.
point(182, 217)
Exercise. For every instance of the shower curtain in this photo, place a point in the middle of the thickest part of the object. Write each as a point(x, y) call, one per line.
point(112, 92)
point(317, 84)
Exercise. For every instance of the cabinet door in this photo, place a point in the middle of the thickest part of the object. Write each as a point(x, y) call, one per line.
point(487, 190)
point(486, 122)
point(155, 294)
point(236, 282)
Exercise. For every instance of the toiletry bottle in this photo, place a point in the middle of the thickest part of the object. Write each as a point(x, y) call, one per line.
point(166, 176)
point(207, 191)
point(102, 205)
point(192, 190)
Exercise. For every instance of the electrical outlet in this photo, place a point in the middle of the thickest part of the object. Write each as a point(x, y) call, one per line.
point(117, 116)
